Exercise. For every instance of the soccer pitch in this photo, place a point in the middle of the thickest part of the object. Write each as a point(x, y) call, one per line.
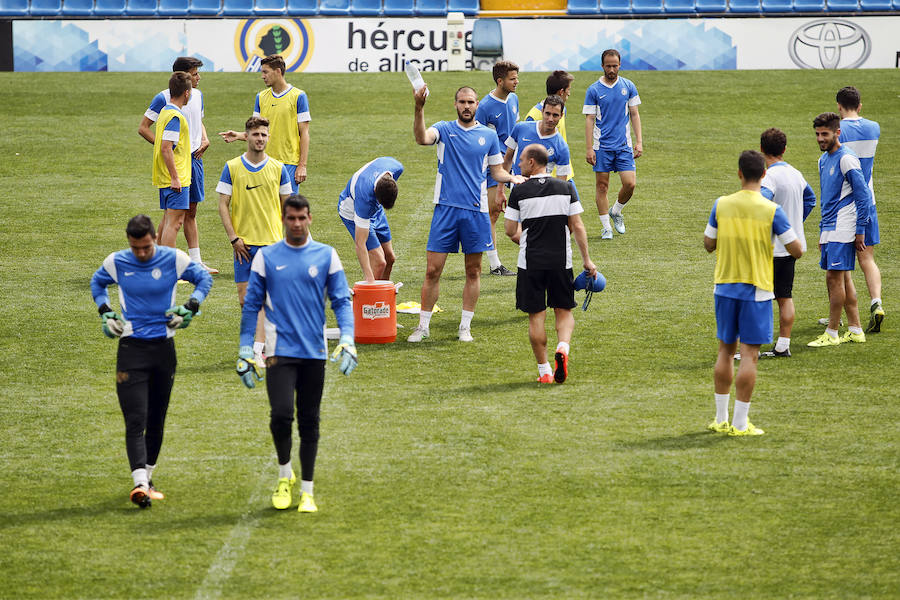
point(444, 471)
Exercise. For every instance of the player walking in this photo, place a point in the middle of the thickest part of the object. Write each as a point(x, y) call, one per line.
point(172, 158)
point(460, 219)
point(193, 111)
point(146, 275)
point(361, 206)
point(740, 230)
point(611, 103)
point(547, 212)
point(291, 278)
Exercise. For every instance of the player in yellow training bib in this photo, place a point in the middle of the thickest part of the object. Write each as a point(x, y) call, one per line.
point(172, 158)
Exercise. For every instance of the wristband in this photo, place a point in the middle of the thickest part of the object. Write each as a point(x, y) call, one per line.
point(234, 240)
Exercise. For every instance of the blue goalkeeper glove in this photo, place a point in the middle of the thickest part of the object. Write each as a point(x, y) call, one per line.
point(247, 369)
point(113, 326)
point(346, 351)
point(180, 316)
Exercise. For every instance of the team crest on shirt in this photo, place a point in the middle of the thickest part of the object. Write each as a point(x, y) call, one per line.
point(549, 151)
point(831, 172)
point(624, 92)
point(155, 273)
point(313, 271)
point(481, 141)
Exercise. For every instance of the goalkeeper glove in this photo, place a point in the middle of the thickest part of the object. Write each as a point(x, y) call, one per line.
point(246, 367)
point(346, 351)
point(113, 326)
point(180, 316)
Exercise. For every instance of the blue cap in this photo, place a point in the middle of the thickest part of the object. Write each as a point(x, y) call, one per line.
point(585, 282)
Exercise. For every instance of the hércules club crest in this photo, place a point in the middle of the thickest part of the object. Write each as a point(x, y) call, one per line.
point(255, 39)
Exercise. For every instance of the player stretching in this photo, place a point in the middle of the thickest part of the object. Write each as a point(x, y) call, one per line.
point(172, 158)
point(609, 105)
point(499, 110)
point(193, 110)
point(145, 363)
point(291, 278)
point(547, 212)
point(460, 218)
point(740, 230)
point(361, 206)
point(785, 186)
point(861, 135)
point(287, 110)
point(846, 201)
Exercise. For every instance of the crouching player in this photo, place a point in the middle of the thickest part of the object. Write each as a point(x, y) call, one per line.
point(291, 278)
point(145, 363)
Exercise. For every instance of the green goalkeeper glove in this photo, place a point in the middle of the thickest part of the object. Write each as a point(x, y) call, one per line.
point(180, 316)
point(346, 351)
point(247, 369)
point(113, 326)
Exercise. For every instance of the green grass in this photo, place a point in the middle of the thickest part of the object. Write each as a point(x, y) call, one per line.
point(444, 471)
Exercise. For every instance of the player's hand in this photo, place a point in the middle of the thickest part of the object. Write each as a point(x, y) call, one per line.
point(421, 95)
point(517, 179)
point(231, 136)
point(300, 174)
point(860, 242)
point(180, 316)
point(590, 157)
point(113, 326)
point(247, 369)
point(591, 268)
point(346, 352)
point(500, 199)
point(638, 149)
point(241, 252)
point(204, 144)
point(175, 183)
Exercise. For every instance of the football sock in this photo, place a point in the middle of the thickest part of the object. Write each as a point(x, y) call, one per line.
point(465, 322)
point(424, 318)
point(494, 258)
point(306, 486)
point(741, 410)
point(832, 332)
point(616, 209)
point(150, 469)
point(855, 329)
point(782, 344)
point(140, 477)
point(563, 347)
point(544, 369)
point(604, 220)
point(284, 471)
point(258, 347)
point(875, 301)
point(722, 407)
point(194, 253)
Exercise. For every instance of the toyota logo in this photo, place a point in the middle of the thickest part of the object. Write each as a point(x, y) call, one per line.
point(829, 44)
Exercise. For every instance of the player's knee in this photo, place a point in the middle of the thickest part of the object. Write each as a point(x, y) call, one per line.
point(389, 258)
point(309, 431)
point(628, 186)
point(280, 422)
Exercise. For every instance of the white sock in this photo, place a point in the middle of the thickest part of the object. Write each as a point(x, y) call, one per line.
point(604, 220)
point(150, 469)
point(465, 322)
point(875, 301)
point(722, 407)
point(306, 486)
point(494, 258)
point(832, 332)
point(563, 347)
point(782, 344)
point(616, 209)
point(284, 471)
point(855, 329)
point(544, 369)
point(424, 319)
point(194, 253)
point(258, 347)
point(140, 477)
point(741, 410)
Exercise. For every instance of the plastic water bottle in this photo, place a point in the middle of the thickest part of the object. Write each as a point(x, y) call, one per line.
point(414, 76)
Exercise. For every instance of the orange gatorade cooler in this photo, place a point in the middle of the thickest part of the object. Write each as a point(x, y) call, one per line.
point(375, 312)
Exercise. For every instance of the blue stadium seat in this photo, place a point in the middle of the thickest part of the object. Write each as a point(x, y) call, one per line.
point(615, 7)
point(334, 7)
point(399, 8)
point(582, 7)
point(467, 7)
point(78, 8)
point(487, 38)
point(777, 6)
point(173, 8)
point(711, 5)
point(843, 5)
point(875, 4)
point(809, 5)
point(896, 4)
point(269, 8)
point(744, 6)
point(431, 8)
point(141, 8)
point(45, 8)
point(13, 8)
point(242, 8)
point(679, 6)
point(204, 7)
point(303, 8)
point(653, 7)
point(365, 8)
point(111, 8)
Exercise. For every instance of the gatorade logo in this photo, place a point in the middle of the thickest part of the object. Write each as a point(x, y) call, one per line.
point(379, 310)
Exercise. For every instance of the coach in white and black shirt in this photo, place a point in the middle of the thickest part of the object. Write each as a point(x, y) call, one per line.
point(548, 210)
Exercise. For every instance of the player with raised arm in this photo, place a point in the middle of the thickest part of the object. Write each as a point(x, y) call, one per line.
point(846, 201)
point(546, 212)
point(785, 186)
point(740, 231)
point(460, 218)
point(193, 110)
point(610, 104)
point(290, 280)
point(361, 206)
point(251, 190)
point(499, 110)
point(146, 275)
point(287, 110)
point(172, 158)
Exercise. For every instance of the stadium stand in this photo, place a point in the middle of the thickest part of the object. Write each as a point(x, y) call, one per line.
point(366, 8)
point(13, 8)
point(266, 8)
point(467, 7)
point(883, 5)
point(205, 7)
point(46, 8)
point(582, 7)
point(487, 39)
point(302, 8)
point(110, 8)
point(399, 8)
point(650, 7)
point(237, 7)
point(173, 8)
point(679, 6)
point(77, 8)
point(334, 7)
point(615, 7)
point(843, 5)
point(431, 8)
point(777, 6)
point(744, 6)
point(141, 8)
point(809, 6)
point(718, 6)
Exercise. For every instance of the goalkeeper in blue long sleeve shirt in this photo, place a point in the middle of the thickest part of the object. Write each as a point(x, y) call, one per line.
point(290, 279)
point(146, 275)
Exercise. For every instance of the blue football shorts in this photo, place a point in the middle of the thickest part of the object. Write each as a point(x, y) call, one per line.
point(242, 269)
point(614, 161)
point(452, 227)
point(196, 180)
point(838, 256)
point(746, 320)
point(169, 198)
point(872, 235)
point(292, 172)
point(379, 230)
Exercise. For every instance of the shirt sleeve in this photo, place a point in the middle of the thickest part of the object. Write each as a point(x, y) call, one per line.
point(339, 295)
point(284, 186)
point(590, 103)
point(712, 226)
point(302, 108)
point(495, 155)
point(195, 273)
point(809, 201)
point(101, 279)
point(156, 105)
point(256, 106)
point(253, 300)
point(436, 128)
point(767, 193)
point(862, 196)
point(224, 186)
point(172, 130)
point(396, 169)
